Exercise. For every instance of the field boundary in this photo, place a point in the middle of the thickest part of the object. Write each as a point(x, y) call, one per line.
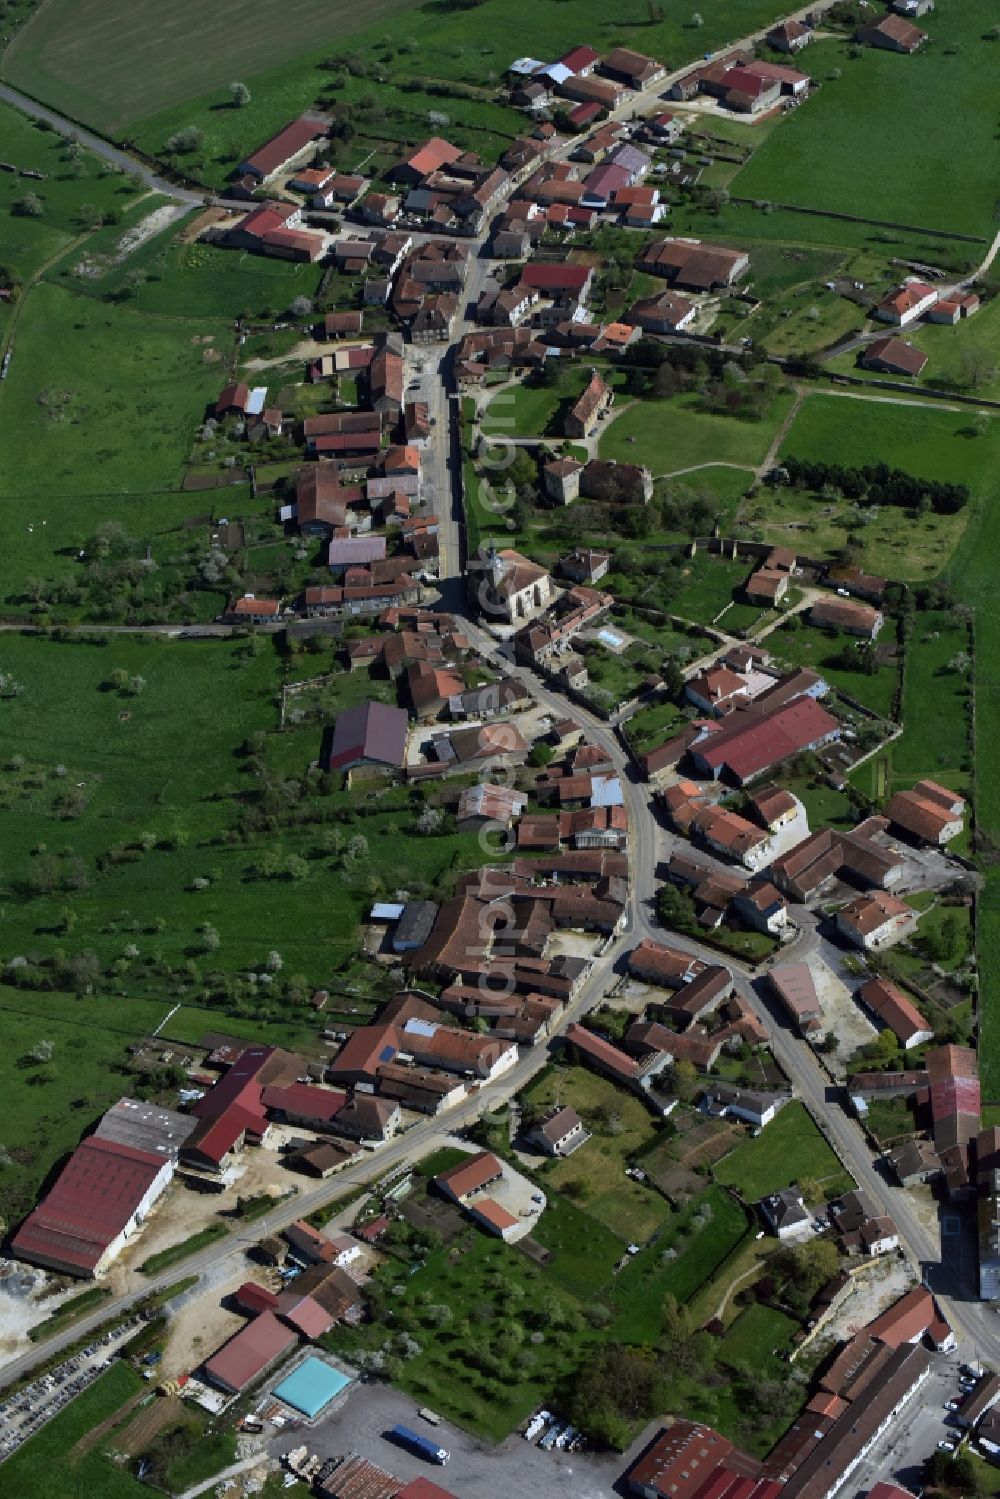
point(853, 218)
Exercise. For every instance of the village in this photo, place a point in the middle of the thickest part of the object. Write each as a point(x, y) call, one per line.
point(643, 1148)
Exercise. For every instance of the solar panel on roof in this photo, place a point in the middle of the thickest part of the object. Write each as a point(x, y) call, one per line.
point(387, 1053)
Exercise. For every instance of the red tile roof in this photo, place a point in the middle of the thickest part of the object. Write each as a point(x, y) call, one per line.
point(471, 1175)
point(287, 143)
point(89, 1204)
point(250, 1352)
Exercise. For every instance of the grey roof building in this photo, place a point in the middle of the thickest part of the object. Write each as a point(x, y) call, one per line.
point(146, 1126)
point(414, 926)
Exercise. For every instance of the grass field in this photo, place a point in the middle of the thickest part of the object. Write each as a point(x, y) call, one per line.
point(159, 59)
point(45, 1463)
point(698, 1250)
point(964, 357)
point(99, 399)
point(531, 410)
point(754, 1338)
point(741, 223)
point(196, 280)
point(788, 1149)
point(670, 435)
point(839, 153)
point(651, 726)
point(935, 704)
point(70, 190)
point(710, 584)
point(925, 441)
point(972, 573)
point(111, 68)
point(495, 1296)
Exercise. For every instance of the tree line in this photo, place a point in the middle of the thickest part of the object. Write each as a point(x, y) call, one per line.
point(876, 483)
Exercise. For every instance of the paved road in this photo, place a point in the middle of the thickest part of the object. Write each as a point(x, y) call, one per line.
point(101, 148)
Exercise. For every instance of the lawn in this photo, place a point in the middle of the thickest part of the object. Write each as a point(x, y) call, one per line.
point(838, 153)
point(584, 1252)
point(820, 649)
point(100, 400)
point(722, 487)
point(46, 1464)
point(530, 410)
point(594, 1175)
point(742, 223)
point(964, 357)
point(787, 1150)
point(824, 806)
point(70, 190)
point(44, 562)
point(651, 726)
point(709, 586)
point(922, 439)
point(755, 1337)
point(668, 436)
point(679, 1262)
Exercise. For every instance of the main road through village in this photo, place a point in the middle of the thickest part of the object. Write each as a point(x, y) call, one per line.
point(431, 369)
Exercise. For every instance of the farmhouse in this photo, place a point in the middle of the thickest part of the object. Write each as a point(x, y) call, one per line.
point(785, 1214)
point(896, 1011)
point(930, 813)
point(256, 1348)
point(272, 229)
point(632, 68)
point(464, 1184)
point(288, 146)
point(768, 585)
point(559, 1132)
point(750, 742)
point(252, 610)
point(875, 920)
point(666, 313)
point(846, 615)
point(691, 264)
point(789, 36)
point(368, 734)
point(716, 690)
point(428, 158)
point(908, 302)
point(584, 415)
point(827, 855)
point(891, 33)
point(893, 356)
point(232, 400)
point(794, 987)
